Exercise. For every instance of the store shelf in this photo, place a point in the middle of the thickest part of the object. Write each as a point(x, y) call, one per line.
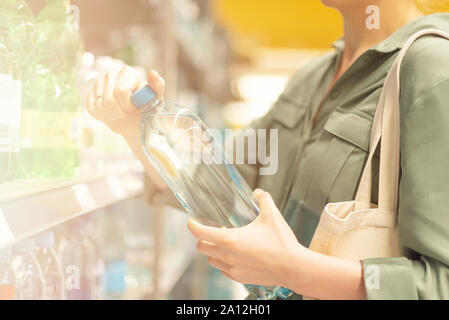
point(27, 208)
point(174, 266)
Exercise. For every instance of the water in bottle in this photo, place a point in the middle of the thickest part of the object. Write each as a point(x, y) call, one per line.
point(17, 41)
point(192, 162)
point(7, 275)
point(114, 256)
point(30, 283)
point(55, 128)
point(50, 265)
point(78, 260)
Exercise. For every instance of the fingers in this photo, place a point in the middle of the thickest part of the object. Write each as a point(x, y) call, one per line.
point(266, 203)
point(209, 249)
point(218, 264)
point(157, 83)
point(110, 98)
point(210, 234)
point(110, 103)
point(100, 111)
point(91, 103)
point(127, 83)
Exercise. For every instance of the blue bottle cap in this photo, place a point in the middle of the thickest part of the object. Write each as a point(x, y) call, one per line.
point(143, 96)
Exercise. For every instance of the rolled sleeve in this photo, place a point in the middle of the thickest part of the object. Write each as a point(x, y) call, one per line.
point(389, 279)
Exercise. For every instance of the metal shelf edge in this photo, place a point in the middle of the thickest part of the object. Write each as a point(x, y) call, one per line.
point(24, 217)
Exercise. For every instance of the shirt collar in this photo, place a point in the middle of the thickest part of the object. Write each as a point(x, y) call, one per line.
point(396, 41)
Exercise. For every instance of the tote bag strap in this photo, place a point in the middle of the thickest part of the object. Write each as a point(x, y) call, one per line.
point(386, 130)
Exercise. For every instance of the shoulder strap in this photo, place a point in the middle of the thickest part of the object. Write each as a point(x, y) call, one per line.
point(386, 125)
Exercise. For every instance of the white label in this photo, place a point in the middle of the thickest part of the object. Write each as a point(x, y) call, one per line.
point(27, 143)
point(10, 101)
point(116, 187)
point(83, 196)
point(5, 141)
point(6, 237)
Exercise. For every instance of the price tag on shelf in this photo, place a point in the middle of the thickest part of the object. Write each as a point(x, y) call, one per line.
point(83, 196)
point(6, 237)
point(116, 187)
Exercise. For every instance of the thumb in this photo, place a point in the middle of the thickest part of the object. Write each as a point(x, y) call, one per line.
point(157, 83)
point(266, 204)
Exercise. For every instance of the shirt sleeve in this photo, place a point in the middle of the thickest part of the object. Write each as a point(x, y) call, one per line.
point(423, 206)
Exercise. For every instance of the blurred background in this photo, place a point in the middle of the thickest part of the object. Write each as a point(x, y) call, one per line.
point(71, 192)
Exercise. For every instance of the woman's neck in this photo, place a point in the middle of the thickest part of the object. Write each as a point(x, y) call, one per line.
point(359, 37)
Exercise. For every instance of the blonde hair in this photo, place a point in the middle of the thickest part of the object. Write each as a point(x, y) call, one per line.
point(432, 6)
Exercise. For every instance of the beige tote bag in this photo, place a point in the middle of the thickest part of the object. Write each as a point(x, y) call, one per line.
point(358, 230)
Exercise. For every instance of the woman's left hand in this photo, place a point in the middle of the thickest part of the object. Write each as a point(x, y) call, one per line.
point(257, 254)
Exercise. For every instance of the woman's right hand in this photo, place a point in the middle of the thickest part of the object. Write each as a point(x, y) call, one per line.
point(110, 98)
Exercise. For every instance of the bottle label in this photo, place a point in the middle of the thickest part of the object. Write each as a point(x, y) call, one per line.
point(115, 276)
point(48, 130)
point(6, 236)
point(10, 101)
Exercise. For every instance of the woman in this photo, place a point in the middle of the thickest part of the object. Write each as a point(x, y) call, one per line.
point(324, 119)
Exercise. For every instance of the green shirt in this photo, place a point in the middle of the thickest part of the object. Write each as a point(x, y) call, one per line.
point(323, 163)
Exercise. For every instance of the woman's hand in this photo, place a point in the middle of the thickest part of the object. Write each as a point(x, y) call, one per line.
point(256, 254)
point(267, 253)
point(110, 98)
point(110, 102)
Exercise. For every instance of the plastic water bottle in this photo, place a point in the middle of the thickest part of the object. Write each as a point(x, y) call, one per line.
point(193, 164)
point(114, 256)
point(30, 282)
point(7, 275)
point(56, 133)
point(50, 265)
point(17, 41)
point(78, 260)
point(10, 106)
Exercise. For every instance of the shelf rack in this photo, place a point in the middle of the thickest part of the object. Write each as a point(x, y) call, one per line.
point(30, 210)
point(30, 207)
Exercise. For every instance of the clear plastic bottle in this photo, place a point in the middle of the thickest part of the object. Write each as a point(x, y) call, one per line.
point(56, 131)
point(17, 41)
point(193, 164)
point(114, 256)
point(50, 265)
point(78, 260)
point(7, 275)
point(30, 282)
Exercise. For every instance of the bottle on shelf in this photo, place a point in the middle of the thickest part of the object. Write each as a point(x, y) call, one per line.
point(30, 283)
point(50, 265)
point(114, 256)
point(17, 41)
point(79, 261)
point(55, 127)
point(7, 275)
point(194, 165)
point(139, 242)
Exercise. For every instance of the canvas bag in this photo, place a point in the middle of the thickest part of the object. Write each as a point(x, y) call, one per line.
point(358, 230)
